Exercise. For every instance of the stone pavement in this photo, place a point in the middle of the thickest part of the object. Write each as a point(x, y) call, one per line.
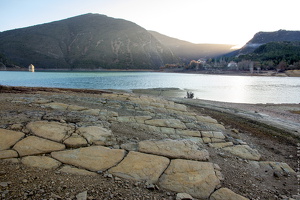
point(179, 162)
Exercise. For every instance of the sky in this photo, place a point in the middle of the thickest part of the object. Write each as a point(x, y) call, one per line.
point(198, 21)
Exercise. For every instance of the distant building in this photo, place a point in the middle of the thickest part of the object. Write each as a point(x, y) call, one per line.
point(202, 60)
point(31, 68)
point(232, 65)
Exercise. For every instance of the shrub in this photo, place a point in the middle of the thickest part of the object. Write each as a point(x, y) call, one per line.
point(189, 95)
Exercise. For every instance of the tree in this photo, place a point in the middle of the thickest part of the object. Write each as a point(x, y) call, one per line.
point(281, 66)
point(193, 65)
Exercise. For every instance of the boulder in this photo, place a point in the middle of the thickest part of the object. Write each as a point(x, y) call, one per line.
point(50, 130)
point(193, 177)
point(81, 196)
point(94, 158)
point(185, 149)
point(73, 170)
point(41, 162)
point(16, 127)
point(8, 154)
point(141, 167)
point(244, 151)
point(95, 134)
point(33, 145)
point(170, 123)
point(226, 194)
point(8, 138)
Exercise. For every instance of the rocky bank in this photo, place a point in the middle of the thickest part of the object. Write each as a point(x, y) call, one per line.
point(129, 142)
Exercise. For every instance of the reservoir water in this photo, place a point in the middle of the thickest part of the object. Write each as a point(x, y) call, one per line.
point(238, 89)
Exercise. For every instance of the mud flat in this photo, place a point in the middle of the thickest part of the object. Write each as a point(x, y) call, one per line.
point(95, 144)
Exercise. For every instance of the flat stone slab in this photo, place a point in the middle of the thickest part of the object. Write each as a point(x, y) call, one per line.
point(226, 194)
point(275, 166)
point(94, 158)
point(141, 167)
point(57, 106)
point(244, 151)
point(176, 107)
point(170, 123)
point(183, 196)
point(206, 119)
point(95, 134)
point(40, 162)
point(76, 108)
point(220, 145)
point(193, 177)
point(8, 154)
point(75, 141)
point(142, 119)
point(94, 112)
point(73, 170)
point(33, 145)
point(188, 133)
point(8, 138)
point(50, 130)
point(126, 119)
point(213, 134)
point(185, 149)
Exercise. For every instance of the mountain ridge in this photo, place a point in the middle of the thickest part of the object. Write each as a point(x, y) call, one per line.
point(261, 38)
point(86, 41)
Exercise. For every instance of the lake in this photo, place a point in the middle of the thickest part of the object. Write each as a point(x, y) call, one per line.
point(238, 89)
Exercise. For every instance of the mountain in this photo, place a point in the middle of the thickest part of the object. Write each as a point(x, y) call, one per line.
point(261, 38)
point(275, 52)
point(89, 41)
point(188, 51)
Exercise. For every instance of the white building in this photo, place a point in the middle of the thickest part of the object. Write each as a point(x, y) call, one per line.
point(31, 68)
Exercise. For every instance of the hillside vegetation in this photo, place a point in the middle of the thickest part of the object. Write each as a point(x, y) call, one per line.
point(276, 52)
point(261, 38)
point(89, 41)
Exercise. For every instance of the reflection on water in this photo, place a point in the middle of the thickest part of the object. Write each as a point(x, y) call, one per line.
point(240, 89)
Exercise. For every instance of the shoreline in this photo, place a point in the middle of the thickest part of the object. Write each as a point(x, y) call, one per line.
point(288, 73)
point(283, 116)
